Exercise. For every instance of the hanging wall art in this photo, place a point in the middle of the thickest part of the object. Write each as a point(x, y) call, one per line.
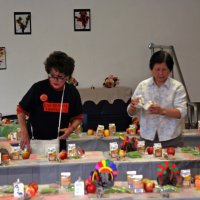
point(22, 23)
point(2, 58)
point(82, 20)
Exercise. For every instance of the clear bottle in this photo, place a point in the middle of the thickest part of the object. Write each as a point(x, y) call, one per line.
point(79, 188)
point(18, 189)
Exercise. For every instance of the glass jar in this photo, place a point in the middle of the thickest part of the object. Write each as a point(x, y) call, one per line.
point(157, 149)
point(65, 179)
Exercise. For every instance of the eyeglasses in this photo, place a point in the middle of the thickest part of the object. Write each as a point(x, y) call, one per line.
point(58, 78)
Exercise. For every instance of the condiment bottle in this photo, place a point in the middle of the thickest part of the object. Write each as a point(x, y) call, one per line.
point(79, 187)
point(18, 189)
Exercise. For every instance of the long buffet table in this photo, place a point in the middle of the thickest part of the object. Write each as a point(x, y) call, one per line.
point(191, 137)
point(185, 194)
point(93, 143)
point(42, 171)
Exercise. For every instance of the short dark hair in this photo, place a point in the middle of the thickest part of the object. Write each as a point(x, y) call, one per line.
point(61, 62)
point(161, 57)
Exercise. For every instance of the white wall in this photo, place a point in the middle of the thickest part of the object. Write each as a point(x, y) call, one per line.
point(117, 43)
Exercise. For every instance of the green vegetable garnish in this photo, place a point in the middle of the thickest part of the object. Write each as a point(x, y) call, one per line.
point(49, 191)
point(134, 154)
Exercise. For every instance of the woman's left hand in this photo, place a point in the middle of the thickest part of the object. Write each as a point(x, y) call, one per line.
point(155, 109)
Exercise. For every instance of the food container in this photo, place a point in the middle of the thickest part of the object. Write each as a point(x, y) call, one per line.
point(100, 130)
point(114, 149)
point(52, 155)
point(112, 128)
point(130, 178)
point(186, 174)
point(16, 153)
point(138, 184)
point(157, 149)
point(132, 129)
point(72, 151)
point(65, 179)
point(141, 146)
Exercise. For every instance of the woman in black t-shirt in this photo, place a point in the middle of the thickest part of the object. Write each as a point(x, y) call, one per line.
point(51, 104)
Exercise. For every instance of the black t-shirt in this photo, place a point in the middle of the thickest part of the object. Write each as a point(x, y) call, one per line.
point(43, 103)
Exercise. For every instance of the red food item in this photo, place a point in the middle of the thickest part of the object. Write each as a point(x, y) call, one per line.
point(87, 182)
point(5, 157)
point(171, 150)
point(81, 151)
point(150, 150)
point(25, 154)
point(149, 186)
point(63, 155)
point(34, 185)
point(91, 188)
point(30, 191)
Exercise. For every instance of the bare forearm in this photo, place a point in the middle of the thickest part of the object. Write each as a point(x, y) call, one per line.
point(24, 137)
point(171, 112)
point(22, 121)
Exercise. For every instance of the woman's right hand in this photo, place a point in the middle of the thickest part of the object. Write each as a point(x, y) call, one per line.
point(133, 104)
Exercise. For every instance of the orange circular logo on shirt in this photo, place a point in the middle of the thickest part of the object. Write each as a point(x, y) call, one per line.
point(43, 97)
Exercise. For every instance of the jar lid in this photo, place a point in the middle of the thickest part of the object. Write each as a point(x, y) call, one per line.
point(131, 172)
point(65, 174)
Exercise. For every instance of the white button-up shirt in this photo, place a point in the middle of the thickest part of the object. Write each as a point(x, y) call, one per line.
point(170, 95)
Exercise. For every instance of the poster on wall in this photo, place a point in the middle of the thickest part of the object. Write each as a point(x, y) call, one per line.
point(22, 23)
point(2, 58)
point(82, 20)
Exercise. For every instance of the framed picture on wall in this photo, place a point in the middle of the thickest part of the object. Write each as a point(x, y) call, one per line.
point(22, 23)
point(2, 58)
point(82, 20)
